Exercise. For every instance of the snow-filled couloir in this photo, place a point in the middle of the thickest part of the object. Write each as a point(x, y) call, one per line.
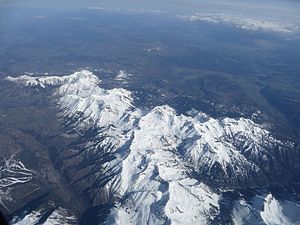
point(155, 165)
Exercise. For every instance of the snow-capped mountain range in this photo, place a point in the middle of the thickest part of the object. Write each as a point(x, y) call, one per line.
point(159, 167)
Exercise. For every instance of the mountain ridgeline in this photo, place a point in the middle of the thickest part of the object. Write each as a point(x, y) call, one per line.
point(138, 166)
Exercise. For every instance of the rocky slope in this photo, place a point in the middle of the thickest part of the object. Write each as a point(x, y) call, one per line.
point(158, 167)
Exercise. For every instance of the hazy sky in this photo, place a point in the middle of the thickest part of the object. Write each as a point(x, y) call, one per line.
point(178, 5)
point(282, 9)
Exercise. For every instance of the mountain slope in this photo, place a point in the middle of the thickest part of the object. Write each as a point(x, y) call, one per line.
point(156, 166)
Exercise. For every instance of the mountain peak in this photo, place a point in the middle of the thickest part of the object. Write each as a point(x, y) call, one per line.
point(159, 162)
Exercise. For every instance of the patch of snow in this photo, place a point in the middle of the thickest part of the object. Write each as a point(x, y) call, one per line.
point(277, 212)
point(58, 216)
point(31, 218)
point(245, 213)
point(266, 209)
point(13, 172)
point(123, 76)
point(61, 216)
point(154, 50)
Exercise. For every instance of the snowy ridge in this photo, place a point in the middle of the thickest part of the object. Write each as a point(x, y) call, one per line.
point(13, 172)
point(155, 153)
point(82, 95)
point(58, 216)
point(61, 216)
point(266, 209)
point(241, 22)
point(79, 93)
point(156, 182)
point(43, 81)
point(280, 212)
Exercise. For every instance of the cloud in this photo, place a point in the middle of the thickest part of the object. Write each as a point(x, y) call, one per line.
point(245, 23)
point(75, 18)
point(96, 8)
point(40, 17)
point(293, 38)
point(127, 10)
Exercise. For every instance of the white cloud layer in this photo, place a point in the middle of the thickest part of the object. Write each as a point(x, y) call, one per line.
point(241, 22)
